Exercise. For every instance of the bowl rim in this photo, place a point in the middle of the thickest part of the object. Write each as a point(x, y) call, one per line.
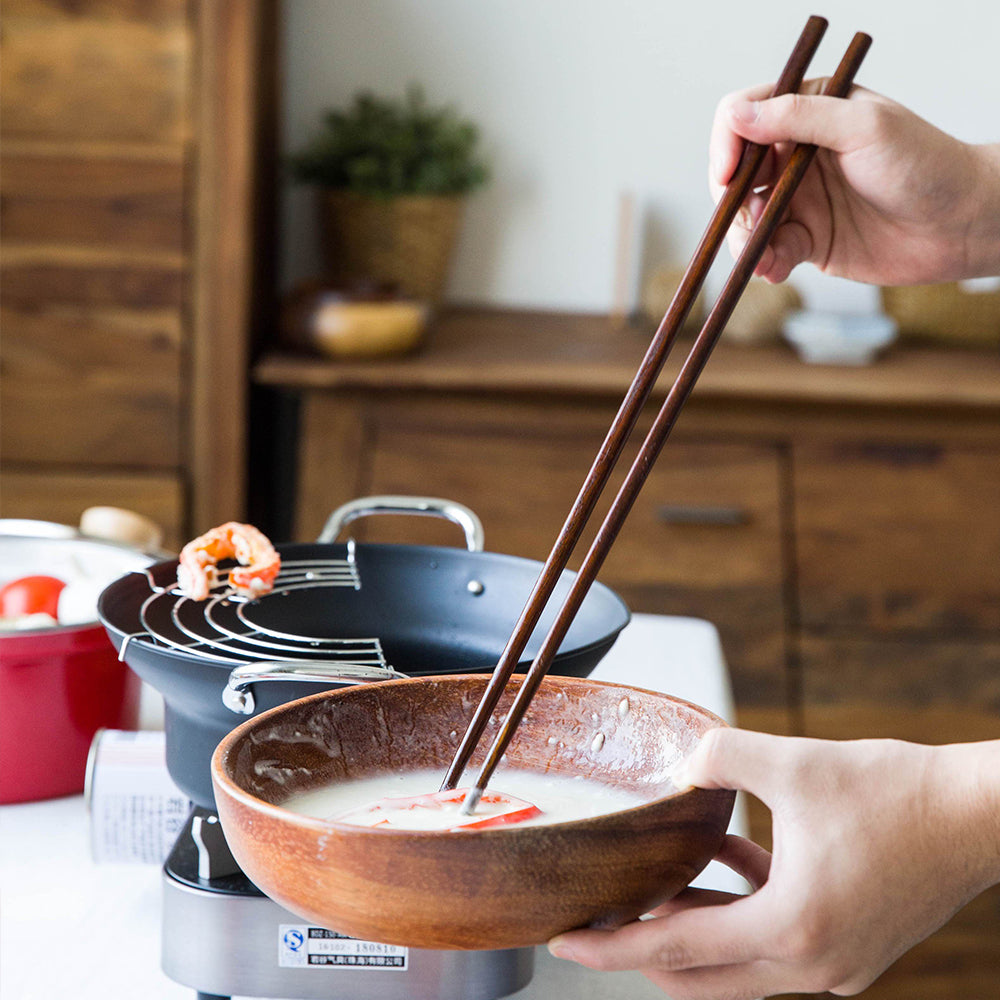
point(223, 782)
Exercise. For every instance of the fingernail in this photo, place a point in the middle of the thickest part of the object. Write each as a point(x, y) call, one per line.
point(680, 777)
point(745, 111)
point(745, 218)
point(557, 947)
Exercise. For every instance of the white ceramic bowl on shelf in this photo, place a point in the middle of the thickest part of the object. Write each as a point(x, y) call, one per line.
point(830, 338)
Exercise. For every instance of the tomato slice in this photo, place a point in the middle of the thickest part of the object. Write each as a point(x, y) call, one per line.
point(515, 815)
point(31, 595)
point(430, 811)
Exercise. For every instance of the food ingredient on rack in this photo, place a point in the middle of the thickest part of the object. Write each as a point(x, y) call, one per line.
point(198, 572)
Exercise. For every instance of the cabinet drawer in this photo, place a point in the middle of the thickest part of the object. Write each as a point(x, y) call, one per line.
point(917, 689)
point(898, 538)
point(64, 496)
point(708, 515)
point(703, 538)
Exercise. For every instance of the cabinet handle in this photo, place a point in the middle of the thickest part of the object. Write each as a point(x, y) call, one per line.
point(701, 515)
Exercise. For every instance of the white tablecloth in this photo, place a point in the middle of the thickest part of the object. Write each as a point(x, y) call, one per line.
point(72, 928)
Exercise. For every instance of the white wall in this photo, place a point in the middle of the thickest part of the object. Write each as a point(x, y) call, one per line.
point(580, 100)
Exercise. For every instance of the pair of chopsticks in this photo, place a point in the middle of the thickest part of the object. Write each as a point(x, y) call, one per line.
point(736, 191)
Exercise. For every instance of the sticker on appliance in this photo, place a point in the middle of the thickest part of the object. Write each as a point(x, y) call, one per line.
point(301, 946)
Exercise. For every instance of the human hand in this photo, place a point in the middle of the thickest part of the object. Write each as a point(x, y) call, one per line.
point(876, 844)
point(889, 199)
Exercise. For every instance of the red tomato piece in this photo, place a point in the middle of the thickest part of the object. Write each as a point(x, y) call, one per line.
point(502, 819)
point(503, 809)
point(31, 595)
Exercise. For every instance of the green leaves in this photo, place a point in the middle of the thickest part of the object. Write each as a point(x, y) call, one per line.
point(385, 147)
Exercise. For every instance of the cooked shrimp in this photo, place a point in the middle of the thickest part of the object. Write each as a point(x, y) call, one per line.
point(259, 563)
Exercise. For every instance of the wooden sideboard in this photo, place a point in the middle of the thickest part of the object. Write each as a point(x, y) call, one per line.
point(840, 526)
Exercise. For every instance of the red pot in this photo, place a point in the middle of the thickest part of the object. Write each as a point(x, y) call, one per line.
point(59, 685)
point(56, 690)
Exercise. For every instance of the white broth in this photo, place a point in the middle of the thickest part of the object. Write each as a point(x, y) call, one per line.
point(561, 798)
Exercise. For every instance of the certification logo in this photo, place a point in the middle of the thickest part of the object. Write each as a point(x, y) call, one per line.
point(292, 951)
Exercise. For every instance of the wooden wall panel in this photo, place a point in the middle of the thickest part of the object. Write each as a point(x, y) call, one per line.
point(107, 199)
point(130, 10)
point(231, 144)
point(66, 275)
point(75, 77)
point(63, 496)
point(91, 386)
point(131, 146)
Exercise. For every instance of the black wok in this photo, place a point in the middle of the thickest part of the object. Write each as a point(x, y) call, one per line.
point(432, 610)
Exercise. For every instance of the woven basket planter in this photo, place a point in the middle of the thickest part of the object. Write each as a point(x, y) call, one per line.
point(406, 241)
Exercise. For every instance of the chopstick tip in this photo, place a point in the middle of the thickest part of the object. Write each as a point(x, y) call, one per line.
point(471, 800)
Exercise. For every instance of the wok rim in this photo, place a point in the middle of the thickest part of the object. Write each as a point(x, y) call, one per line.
point(120, 636)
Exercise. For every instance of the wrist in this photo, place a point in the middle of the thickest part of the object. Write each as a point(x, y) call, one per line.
point(982, 243)
point(971, 788)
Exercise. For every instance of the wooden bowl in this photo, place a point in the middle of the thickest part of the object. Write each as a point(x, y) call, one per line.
point(504, 887)
point(364, 322)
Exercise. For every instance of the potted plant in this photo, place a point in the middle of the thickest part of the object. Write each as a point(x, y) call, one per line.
point(392, 178)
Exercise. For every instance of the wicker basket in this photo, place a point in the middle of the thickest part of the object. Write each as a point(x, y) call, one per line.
point(405, 241)
point(947, 313)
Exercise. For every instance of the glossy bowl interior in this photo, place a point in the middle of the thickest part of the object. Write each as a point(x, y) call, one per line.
point(497, 888)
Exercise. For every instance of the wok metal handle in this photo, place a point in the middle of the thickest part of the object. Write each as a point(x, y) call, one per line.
point(451, 510)
point(238, 697)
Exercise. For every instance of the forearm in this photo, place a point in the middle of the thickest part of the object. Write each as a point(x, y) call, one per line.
point(969, 790)
point(982, 253)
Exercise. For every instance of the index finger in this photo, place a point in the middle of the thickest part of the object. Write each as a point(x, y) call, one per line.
point(726, 934)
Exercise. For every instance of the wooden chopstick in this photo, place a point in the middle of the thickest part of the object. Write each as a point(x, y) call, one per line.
point(624, 422)
point(838, 86)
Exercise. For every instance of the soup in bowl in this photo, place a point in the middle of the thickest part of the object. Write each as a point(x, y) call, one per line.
point(613, 836)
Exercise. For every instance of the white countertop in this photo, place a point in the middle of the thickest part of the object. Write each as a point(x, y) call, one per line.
point(73, 928)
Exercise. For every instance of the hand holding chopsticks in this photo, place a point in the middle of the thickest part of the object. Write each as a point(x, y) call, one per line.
point(838, 86)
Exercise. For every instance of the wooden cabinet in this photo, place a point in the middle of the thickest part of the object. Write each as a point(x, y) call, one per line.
point(899, 586)
point(840, 526)
point(129, 136)
point(898, 537)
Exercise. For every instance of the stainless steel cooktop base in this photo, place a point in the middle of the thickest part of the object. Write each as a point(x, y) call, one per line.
point(222, 937)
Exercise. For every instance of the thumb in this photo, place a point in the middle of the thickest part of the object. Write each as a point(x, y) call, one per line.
point(733, 758)
point(830, 122)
